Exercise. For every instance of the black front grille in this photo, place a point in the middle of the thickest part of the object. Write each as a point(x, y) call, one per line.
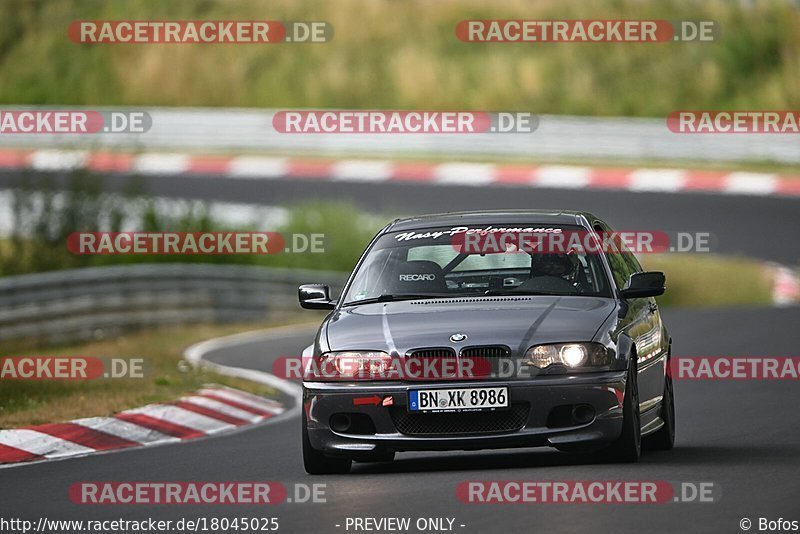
point(496, 351)
point(486, 360)
point(450, 423)
point(443, 352)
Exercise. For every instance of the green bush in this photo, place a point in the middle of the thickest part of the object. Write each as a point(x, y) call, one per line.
point(44, 218)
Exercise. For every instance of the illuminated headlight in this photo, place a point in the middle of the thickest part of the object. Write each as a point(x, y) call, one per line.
point(573, 355)
point(357, 363)
point(570, 355)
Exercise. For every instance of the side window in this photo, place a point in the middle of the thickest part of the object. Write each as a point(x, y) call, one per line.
point(631, 263)
point(620, 267)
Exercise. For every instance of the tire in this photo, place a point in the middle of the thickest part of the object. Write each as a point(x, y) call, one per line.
point(628, 446)
point(664, 438)
point(317, 463)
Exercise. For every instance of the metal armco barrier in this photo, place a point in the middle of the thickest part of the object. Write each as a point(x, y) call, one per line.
point(98, 302)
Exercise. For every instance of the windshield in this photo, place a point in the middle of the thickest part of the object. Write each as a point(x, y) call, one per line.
point(430, 263)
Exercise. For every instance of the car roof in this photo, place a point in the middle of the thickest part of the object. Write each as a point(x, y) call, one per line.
point(488, 217)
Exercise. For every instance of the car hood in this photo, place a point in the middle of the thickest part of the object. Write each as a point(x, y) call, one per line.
point(518, 322)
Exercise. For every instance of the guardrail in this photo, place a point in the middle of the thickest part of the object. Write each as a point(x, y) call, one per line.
point(97, 302)
point(557, 137)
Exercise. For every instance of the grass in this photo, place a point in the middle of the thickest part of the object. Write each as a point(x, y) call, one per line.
point(712, 281)
point(405, 55)
point(25, 402)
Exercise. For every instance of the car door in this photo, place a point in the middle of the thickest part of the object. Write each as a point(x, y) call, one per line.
point(650, 345)
point(643, 325)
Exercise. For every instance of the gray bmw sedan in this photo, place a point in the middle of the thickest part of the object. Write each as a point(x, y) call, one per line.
point(486, 330)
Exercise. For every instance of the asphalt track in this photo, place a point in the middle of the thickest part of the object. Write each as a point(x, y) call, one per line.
point(741, 435)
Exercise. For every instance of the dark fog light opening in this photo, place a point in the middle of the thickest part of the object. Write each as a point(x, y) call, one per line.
point(352, 423)
point(340, 422)
point(568, 415)
point(582, 414)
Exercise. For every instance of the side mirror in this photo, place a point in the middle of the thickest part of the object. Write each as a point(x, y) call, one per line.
point(315, 297)
point(649, 284)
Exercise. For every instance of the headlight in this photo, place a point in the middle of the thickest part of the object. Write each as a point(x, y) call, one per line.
point(569, 355)
point(355, 365)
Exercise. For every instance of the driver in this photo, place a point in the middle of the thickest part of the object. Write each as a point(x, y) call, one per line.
point(558, 265)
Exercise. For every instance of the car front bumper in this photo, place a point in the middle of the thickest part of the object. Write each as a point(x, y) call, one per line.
point(535, 402)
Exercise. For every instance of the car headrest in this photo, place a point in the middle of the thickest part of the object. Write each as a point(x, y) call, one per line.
point(419, 276)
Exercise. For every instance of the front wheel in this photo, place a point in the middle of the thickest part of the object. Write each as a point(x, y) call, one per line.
point(664, 438)
point(317, 463)
point(628, 446)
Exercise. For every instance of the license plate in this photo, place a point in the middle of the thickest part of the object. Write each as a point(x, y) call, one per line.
point(427, 400)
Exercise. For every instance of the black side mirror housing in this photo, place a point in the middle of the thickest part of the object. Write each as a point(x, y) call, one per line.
point(315, 297)
point(646, 284)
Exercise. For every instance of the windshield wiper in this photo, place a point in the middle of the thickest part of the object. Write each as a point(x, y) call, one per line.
point(388, 297)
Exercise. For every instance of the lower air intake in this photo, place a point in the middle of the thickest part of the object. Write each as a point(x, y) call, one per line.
point(447, 424)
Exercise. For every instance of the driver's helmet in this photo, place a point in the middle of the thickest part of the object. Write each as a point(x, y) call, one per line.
point(559, 265)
